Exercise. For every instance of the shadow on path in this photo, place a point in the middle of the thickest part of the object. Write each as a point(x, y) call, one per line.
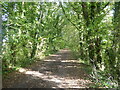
point(60, 70)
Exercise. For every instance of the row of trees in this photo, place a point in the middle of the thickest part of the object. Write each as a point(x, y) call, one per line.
point(98, 34)
point(30, 29)
point(36, 29)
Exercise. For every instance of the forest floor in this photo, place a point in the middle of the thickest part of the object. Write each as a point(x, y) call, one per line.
point(60, 70)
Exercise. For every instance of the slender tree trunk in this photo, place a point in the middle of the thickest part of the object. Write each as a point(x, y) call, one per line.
point(116, 40)
point(1, 37)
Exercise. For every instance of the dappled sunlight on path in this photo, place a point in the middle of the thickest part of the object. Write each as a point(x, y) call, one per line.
point(60, 70)
point(60, 81)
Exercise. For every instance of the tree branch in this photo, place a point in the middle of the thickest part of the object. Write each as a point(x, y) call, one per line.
point(67, 17)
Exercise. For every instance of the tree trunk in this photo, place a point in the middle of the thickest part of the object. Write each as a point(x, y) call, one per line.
point(116, 40)
point(1, 37)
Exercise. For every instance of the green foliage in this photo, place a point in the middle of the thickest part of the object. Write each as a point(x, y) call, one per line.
point(29, 32)
point(104, 80)
point(33, 30)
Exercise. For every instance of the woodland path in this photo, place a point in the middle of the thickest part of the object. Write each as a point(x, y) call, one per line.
point(60, 70)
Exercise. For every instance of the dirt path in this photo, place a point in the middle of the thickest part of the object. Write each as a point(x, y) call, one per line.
point(59, 70)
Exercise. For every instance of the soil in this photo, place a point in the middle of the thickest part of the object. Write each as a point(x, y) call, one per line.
point(60, 70)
